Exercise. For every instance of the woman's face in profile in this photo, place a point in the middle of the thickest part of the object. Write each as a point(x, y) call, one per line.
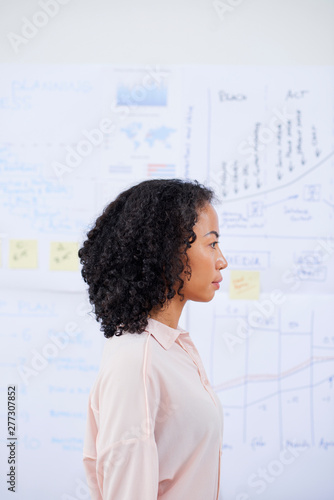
point(205, 258)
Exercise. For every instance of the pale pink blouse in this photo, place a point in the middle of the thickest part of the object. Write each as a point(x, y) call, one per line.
point(154, 427)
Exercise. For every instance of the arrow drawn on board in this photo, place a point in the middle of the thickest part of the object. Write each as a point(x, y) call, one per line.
point(282, 186)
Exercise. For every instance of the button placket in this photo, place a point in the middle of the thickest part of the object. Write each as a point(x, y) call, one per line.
point(195, 357)
point(199, 365)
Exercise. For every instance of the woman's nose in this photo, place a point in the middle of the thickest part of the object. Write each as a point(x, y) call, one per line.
point(221, 261)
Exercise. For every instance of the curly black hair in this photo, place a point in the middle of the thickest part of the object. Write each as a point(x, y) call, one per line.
point(134, 255)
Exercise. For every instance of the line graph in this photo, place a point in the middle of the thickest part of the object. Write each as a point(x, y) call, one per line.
point(269, 377)
point(267, 397)
point(264, 398)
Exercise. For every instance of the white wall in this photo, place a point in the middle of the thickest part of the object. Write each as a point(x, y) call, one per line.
point(174, 31)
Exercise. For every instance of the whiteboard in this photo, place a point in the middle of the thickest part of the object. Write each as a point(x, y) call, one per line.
point(262, 137)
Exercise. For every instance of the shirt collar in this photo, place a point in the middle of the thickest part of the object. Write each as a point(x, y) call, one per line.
point(164, 334)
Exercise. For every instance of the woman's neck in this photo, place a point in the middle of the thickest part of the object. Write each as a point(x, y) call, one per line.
point(170, 314)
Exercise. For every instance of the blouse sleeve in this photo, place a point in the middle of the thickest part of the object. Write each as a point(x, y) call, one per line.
point(120, 452)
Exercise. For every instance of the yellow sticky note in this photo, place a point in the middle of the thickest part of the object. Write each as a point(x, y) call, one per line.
point(245, 285)
point(64, 256)
point(23, 254)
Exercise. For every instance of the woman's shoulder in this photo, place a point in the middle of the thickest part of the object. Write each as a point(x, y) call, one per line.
point(128, 347)
point(122, 358)
point(129, 357)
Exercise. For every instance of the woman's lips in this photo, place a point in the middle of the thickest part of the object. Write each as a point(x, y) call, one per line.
point(216, 284)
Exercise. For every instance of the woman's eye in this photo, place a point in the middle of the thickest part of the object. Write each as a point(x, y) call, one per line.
point(214, 243)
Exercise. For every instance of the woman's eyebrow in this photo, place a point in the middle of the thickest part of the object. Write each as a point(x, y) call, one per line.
point(212, 232)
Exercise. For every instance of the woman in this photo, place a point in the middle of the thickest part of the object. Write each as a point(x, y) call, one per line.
point(154, 426)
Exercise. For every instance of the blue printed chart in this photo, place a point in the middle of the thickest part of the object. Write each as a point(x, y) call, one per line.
point(262, 138)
